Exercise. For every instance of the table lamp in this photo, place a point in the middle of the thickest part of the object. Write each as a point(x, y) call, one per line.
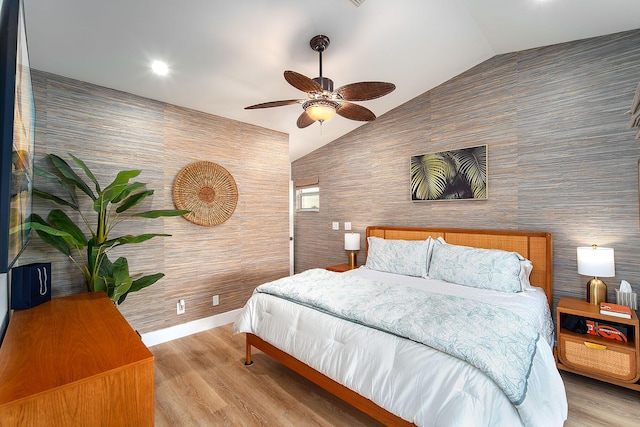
point(352, 244)
point(597, 262)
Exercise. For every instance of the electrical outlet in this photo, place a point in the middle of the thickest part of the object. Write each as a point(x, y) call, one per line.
point(216, 300)
point(347, 226)
point(335, 225)
point(180, 307)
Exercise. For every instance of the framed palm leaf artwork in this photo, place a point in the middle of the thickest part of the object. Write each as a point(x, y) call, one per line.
point(450, 175)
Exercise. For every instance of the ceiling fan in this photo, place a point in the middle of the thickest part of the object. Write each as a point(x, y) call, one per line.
point(323, 102)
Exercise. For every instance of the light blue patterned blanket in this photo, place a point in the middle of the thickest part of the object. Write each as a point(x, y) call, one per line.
point(492, 339)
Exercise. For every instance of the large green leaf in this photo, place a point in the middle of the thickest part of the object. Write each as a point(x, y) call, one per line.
point(56, 199)
point(161, 212)
point(141, 283)
point(43, 226)
point(100, 284)
point(145, 281)
point(87, 171)
point(131, 188)
point(71, 190)
point(103, 279)
point(49, 235)
point(123, 177)
point(106, 266)
point(140, 238)
point(122, 281)
point(107, 196)
point(120, 269)
point(114, 190)
point(133, 200)
point(61, 221)
point(121, 289)
point(66, 171)
point(129, 239)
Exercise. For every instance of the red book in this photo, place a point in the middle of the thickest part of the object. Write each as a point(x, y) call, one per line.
point(611, 309)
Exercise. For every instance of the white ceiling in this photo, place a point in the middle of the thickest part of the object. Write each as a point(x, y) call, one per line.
point(226, 55)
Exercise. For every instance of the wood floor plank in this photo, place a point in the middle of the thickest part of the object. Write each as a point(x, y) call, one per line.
point(211, 363)
point(180, 384)
point(593, 403)
point(201, 380)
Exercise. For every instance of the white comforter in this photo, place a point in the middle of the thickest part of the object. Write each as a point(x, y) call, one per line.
point(415, 382)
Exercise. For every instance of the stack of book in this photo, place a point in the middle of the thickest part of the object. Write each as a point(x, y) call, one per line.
point(617, 310)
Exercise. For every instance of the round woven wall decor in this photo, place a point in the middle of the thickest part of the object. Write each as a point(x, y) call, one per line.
point(208, 190)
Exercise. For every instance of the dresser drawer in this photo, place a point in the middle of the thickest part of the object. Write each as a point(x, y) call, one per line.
point(610, 360)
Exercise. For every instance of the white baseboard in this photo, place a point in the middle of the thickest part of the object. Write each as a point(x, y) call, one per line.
point(174, 332)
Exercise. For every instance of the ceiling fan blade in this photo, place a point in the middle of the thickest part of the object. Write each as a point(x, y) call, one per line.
point(365, 91)
point(304, 120)
point(355, 112)
point(302, 82)
point(273, 104)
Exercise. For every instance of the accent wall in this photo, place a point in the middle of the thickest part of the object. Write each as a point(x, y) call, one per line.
point(113, 131)
point(560, 158)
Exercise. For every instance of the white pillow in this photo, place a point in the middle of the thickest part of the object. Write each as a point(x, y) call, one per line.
point(479, 268)
point(432, 243)
point(525, 272)
point(407, 257)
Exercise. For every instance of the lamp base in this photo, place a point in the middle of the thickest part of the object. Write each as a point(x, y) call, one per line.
point(596, 291)
point(353, 259)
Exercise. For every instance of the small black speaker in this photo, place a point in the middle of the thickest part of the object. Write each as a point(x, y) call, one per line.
point(30, 285)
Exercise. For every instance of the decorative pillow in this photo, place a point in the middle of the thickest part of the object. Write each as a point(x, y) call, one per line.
point(408, 257)
point(479, 268)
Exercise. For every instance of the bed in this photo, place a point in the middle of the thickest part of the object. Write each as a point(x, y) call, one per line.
point(425, 333)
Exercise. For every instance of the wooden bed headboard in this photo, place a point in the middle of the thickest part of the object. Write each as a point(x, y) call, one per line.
point(535, 246)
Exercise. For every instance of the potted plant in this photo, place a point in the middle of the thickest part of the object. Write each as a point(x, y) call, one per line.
point(111, 206)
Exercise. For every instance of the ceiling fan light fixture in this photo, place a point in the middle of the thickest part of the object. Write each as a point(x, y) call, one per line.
point(320, 110)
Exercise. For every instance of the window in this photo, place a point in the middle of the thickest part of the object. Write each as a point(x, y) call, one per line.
point(307, 194)
point(308, 199)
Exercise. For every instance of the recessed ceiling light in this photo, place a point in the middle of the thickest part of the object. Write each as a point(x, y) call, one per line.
point(160, 68)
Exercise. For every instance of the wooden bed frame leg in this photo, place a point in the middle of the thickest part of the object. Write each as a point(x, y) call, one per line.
point(248, 361)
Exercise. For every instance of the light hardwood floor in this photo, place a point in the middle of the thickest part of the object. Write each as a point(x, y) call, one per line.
point(201, 380)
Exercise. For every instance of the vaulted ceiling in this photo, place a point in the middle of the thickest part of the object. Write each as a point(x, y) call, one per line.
point(226, 55)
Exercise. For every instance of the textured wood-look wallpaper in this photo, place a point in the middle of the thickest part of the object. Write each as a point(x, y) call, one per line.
point(112, 131)
point(560, 158)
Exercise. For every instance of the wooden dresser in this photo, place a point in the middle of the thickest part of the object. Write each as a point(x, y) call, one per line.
point(75, 361)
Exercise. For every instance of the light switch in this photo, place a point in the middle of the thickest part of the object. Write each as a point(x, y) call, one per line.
point(335, 225)
point(347, 226)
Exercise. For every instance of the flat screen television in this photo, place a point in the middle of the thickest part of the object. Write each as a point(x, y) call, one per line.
point(17, 140)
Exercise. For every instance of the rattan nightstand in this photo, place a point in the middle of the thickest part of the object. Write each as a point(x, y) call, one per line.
point(596, 357)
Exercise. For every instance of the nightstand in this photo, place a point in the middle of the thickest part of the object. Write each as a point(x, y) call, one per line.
point(613, 361)
point(341, 268)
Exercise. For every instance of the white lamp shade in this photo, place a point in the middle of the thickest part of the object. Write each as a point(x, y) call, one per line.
point(352, 241)
point(596, 261)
